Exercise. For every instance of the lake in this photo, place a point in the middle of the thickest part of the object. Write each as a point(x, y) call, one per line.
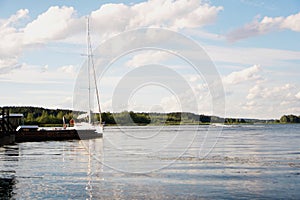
point(167, 162)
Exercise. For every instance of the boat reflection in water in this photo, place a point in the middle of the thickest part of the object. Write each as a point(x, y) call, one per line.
point(56, 169)
point(9, 158)
point(6, 187)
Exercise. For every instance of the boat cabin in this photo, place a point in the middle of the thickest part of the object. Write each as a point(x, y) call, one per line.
point(27, 128)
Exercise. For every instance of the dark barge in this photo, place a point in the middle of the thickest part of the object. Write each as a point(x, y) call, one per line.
point(49, 135)
point(12, 130)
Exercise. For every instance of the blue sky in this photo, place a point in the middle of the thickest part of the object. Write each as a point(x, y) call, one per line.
point(254, 45)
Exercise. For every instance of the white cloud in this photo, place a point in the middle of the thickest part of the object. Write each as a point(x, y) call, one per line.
point(297, 95)
point(68, 69)
point(63, 24)
point(173, 14)
point(248, 74)
point(248, 96)
point(255, 92)
point(54, 24)
point(11, 39)
point(236, 85)
point(268, 101)
point(266, 25)
point(14, 19)
point(258, 91)
point(292, 22)
point(147, 57)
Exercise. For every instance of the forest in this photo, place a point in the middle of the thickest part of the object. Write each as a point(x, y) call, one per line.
point(54, 117)
point(290, 119)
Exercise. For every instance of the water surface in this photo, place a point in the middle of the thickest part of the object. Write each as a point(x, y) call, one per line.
point(256, 161)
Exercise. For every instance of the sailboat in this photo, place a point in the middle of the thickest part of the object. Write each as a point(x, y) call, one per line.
point(30, 133)
point(84, 128)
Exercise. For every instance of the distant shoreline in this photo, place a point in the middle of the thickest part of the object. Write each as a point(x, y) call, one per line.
point(53, 117)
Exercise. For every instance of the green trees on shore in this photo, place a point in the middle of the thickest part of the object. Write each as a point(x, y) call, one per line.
point(53, 117)
point(42, 116)
point(290, 119)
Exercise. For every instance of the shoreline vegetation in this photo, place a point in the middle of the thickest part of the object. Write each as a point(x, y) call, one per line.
point(53, 117)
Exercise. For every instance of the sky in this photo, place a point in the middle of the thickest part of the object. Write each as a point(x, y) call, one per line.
point(254, 45)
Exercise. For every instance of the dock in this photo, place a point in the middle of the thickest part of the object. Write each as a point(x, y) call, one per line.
point(7, 132)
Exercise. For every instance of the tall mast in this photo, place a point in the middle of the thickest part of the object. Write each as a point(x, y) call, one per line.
point(89, 71)
point(91, 62)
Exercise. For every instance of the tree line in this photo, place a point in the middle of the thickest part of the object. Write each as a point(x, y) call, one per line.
point(43, 116)
point(290, 119)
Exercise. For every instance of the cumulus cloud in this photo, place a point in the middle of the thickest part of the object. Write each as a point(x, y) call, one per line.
point(171, 14)
point(51, 25)
point(147, 57)
point(15, 38)
point(14, 19)
point(271, 100)
point(266, 25)
point(195, 100)
point(292, 22)
point(297, 95)
point(236, 85)
point(174, 15)
point(11, 39)
point(258, 91)
point(63, 24)
point(248, 74)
